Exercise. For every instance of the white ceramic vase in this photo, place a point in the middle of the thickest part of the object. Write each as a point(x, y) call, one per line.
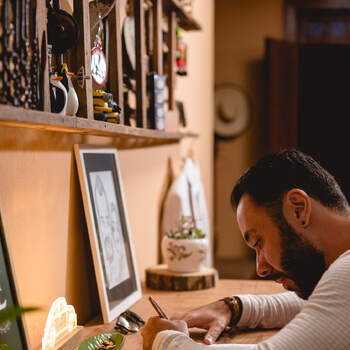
point(184, 255)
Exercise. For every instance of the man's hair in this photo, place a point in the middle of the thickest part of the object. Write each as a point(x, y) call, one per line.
point(275, 174)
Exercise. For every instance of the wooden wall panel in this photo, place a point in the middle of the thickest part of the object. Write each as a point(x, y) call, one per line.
point(116, 58)
point(41, 28)
point(172, 58)
point(141, 108)
point(283, 95)
point(82, 54)
point(157, 36)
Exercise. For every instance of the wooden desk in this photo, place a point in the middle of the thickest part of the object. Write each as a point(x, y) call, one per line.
point(180, 302)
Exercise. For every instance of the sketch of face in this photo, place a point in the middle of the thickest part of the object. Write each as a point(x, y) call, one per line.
point(116, 229)
point(115, 221)
point(119, 244)
point(104, 218)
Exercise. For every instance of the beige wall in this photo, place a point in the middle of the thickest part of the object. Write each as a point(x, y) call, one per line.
point(40, 199)
point(241, 27)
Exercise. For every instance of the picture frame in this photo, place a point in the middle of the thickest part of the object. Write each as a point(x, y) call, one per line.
point(12, 333)
point(108, 227)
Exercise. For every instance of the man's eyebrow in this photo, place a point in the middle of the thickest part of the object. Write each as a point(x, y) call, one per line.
point(247, 234)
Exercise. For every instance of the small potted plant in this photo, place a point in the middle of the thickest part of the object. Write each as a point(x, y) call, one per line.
point(185, 249)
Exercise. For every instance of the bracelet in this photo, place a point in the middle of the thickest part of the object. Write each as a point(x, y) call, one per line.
point(235, 305)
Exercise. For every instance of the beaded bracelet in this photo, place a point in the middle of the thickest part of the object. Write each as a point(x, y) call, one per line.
point(235, 305)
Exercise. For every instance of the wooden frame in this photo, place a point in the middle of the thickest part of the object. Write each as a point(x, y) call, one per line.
point(13, 333)
point(282, 126)
point(291, 8)
point(110, 239)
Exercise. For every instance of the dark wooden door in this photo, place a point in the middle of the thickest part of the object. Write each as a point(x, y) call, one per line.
point(282, 116)
point(324, 107)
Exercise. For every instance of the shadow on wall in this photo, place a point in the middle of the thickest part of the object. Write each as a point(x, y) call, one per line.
point(81, 285)
point(236, 268)
point(168, 180)
point(253, 147)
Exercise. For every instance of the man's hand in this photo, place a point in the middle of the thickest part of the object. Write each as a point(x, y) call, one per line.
point(214, 317)
point(157, 324)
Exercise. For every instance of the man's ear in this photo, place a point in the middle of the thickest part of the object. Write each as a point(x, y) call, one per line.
point(297, 207)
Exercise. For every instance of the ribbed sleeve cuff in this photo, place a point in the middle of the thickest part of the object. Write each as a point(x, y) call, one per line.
point(164, 338)
point(246, 310)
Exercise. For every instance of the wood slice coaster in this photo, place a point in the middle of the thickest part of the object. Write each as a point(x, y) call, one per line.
point(159, 277)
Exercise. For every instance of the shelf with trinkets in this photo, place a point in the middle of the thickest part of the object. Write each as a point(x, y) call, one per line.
point(129, 136)
point(41, 109)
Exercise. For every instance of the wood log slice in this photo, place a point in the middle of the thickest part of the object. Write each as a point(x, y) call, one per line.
point(159, 277)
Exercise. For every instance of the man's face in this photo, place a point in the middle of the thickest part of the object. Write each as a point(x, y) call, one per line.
point(281, 254)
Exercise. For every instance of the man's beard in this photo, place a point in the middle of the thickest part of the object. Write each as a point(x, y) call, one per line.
point(301, 261)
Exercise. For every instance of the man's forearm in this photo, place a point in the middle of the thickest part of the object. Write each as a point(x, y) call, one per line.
point(269, 311)
point(266, 311)
point(172, 340)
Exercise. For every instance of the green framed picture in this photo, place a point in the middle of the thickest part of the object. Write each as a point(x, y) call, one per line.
point(12, 333)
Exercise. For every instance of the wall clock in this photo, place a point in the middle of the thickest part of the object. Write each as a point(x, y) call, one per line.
point(99, 66)
point(99, 70)
point(232, 111)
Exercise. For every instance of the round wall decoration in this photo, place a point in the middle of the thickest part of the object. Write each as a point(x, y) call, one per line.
point(99, 65)
point(99, 68)
point(129, 40)
point(232, 111)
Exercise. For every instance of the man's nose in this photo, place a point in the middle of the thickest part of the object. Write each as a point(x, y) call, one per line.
point(263, 268)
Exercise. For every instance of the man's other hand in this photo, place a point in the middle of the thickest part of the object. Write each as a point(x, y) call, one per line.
point(157, 324)
point(214, 317)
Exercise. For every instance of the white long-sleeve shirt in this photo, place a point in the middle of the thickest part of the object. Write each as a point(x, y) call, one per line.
point(320, 323)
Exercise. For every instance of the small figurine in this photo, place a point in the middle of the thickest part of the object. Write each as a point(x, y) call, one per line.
point(105, 108)
point(181, 53)
point(58, 95)
point(107, 343)
point(72, 102)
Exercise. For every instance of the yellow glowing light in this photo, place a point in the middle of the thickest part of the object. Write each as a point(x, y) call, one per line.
point(61, 320)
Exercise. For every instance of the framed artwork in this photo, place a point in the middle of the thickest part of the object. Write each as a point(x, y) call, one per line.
point(107, 221)
point(12, 333)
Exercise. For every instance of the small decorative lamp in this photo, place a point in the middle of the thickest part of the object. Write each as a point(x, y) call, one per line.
point(61, 322)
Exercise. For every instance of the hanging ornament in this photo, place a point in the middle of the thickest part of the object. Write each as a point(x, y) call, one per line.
point(181, 53)
point(99, 66)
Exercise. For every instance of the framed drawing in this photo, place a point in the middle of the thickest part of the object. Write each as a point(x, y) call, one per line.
point(12, 333)
point(107, 221)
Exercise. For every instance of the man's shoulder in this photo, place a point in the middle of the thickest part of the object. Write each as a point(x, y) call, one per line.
point(337, 276)
point(343, 261)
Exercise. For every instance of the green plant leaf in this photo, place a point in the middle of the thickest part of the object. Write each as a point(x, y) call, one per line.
point(12, 312)
point(186, 229)
point(4, 347)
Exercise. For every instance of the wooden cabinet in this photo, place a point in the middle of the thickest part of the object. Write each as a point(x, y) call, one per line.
point(84, 123)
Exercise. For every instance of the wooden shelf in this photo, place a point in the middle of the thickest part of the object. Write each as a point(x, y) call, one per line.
point(125, 136)
point(128, 137)
point(185, 20)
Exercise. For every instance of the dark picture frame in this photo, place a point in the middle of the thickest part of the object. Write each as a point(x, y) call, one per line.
point(12, 333)
point(109, 233)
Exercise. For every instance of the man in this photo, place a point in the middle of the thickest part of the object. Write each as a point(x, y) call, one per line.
point(292, 212)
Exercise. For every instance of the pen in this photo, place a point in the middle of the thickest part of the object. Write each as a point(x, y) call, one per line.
point(159, 310)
